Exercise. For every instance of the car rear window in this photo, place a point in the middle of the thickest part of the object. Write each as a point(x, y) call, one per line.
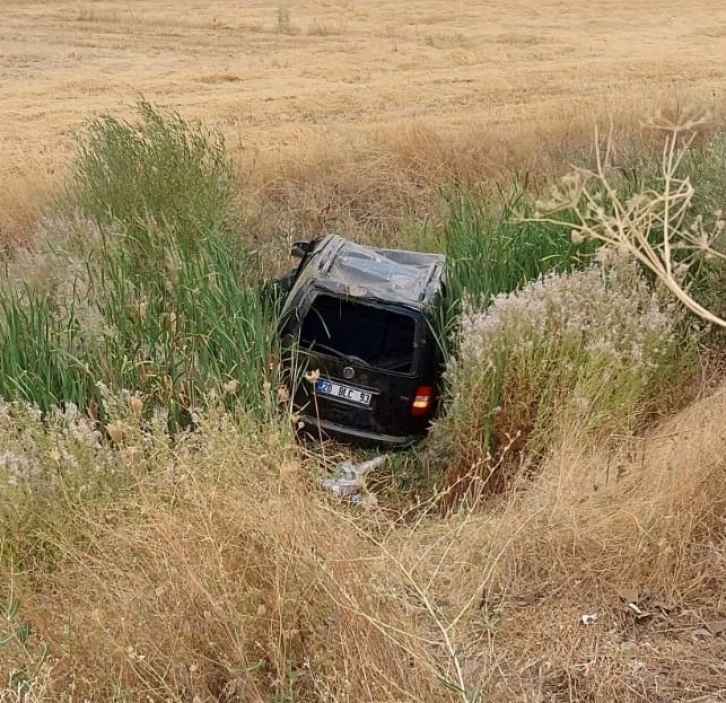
point(380, 337)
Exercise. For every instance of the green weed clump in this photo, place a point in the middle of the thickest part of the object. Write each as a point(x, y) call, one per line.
point(581, 353)
point(160, 168)
point(164, 299)
point(491, 248)
point(186, 327)
point(40, 354)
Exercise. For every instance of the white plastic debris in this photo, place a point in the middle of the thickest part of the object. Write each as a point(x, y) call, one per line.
point(588, 618)
point(347, 478)
point(636, 610)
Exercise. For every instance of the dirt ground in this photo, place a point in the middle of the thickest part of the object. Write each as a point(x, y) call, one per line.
point(277, 75)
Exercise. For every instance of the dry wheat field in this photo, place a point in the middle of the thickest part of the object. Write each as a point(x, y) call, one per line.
point(299, 81)
point(273, 75)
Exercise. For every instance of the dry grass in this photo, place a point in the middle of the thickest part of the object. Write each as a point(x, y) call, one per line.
point(407, 92)
point(222, 576)
point(22, 199)
point(647, 519)
point(384, 185)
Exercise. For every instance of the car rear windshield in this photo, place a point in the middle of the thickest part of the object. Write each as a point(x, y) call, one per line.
point(380, 337)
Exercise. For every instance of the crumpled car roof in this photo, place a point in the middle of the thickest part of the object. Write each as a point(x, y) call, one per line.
point(388, 275)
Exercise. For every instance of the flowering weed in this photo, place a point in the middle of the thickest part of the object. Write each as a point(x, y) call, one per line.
point(593, 350)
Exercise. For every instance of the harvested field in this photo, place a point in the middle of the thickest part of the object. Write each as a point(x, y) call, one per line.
point(280, 75)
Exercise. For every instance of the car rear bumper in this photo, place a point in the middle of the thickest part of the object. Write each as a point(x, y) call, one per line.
point(312, 426)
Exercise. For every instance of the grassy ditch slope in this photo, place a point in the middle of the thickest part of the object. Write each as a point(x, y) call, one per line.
point(559, 537)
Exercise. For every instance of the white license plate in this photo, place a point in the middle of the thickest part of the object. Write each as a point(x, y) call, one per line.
point(338, 390)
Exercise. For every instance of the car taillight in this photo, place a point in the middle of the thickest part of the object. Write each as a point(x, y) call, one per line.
point(422, 401)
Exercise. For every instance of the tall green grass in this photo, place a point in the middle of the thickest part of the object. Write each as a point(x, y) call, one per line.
point(159, 167)
point(168, 301)
point(493, 248)
point(41, 360)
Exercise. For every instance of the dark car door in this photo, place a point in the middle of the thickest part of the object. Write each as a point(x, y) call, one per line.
point(367, 366)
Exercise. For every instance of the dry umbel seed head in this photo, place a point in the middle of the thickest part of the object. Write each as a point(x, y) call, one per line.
point(136, 404)
point(649, 226)
point(115, 431)
point(231, 386)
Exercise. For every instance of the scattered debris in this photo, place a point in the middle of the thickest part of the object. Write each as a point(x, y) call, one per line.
point(348, 478)
point(635, 610)
point(588, 619)
point(632, 598)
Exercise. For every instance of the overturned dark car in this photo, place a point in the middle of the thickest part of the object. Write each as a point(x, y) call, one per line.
point(362, 326)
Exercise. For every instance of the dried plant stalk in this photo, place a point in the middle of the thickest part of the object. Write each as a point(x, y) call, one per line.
point(655, 226)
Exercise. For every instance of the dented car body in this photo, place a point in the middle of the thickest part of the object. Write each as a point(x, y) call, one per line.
point(363, 324)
